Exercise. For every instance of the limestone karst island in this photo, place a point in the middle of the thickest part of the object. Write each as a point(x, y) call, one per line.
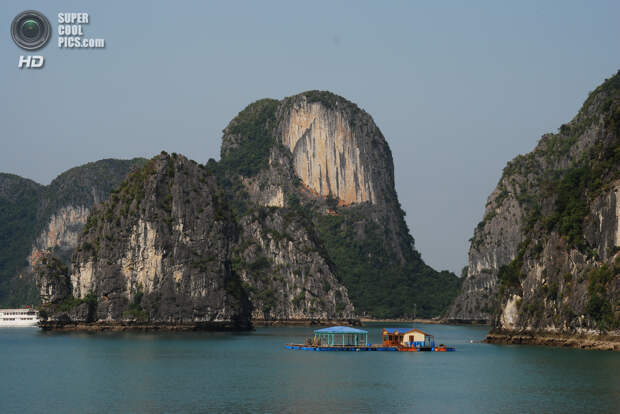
point(299, 222)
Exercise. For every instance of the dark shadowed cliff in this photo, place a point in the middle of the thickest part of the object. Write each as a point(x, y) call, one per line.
point(158, 250)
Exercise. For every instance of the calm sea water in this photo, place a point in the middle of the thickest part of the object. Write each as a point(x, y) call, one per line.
point(252, 372)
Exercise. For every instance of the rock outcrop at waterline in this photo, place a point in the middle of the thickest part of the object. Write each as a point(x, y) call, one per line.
point(158, 251)
point(546, 257)
point(590, 341)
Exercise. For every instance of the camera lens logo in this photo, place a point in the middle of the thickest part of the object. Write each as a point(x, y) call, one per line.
point(31, 30)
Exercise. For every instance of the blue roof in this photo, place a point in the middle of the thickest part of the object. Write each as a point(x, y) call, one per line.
point(340, 330)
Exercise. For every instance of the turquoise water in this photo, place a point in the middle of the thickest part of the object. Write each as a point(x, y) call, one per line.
point(252, 372)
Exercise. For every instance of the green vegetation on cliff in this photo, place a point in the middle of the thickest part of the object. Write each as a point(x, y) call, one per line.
point(253, 130)
point(600, 305)
point(563, 266)
point(19, 199)
point(378, 284)
point(559, 197)
point(88, 183)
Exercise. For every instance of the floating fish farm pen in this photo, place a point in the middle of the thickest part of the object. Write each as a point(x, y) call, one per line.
point(345, 338)
point(340, 335)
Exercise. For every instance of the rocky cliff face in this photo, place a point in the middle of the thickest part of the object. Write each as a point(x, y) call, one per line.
point(53, 217)
point(166, 249)
point(495, 243)
point(322, 159)
point(546, 256)
point(158, 251)
point(52, 279)
point(68, 200)
point(61, 233)
point(336, 150)
point(286, 273)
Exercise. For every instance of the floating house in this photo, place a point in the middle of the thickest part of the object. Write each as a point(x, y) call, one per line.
point(340, 335)
point(407, 338)
point(345, 338)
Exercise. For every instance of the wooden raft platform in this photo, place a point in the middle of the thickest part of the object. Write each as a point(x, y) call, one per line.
point(350, 348)
point(364, 348)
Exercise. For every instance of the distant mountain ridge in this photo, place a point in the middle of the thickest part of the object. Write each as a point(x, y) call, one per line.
point(36, 218)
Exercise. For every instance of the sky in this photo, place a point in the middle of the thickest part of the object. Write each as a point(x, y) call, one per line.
point(458, 88)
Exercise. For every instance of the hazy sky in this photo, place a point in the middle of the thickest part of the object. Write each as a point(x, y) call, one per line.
point(458, 88)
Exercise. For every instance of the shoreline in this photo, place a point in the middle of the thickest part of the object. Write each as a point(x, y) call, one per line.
point(64, 326)
point(589, 342)
point(306, 322)
point(61, 326)
point(402, 320)
point(428, 321)
point(139, 327)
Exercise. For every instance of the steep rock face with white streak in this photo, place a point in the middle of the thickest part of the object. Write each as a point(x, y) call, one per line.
point(61, 234)
point(332, 154)
point(159, 251)
point(64, 228)
point(546, 256)
point(322, 160)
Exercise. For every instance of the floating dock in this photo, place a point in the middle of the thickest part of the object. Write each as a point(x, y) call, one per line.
point(300, 347)
point(344, 338)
